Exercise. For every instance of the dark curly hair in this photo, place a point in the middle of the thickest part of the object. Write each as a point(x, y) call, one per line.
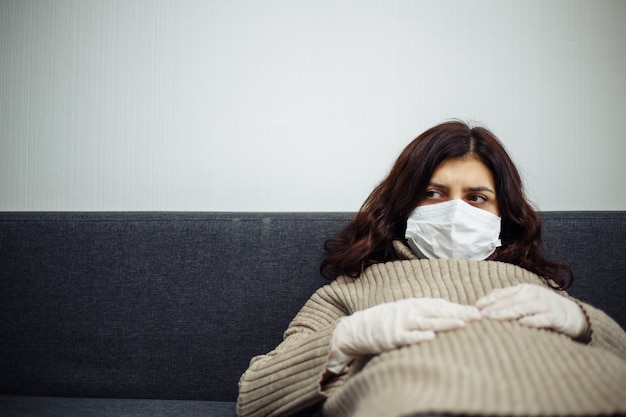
point(368, 238)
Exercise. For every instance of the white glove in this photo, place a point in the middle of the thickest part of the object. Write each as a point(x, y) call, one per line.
point(391, 325)
point(535, 306)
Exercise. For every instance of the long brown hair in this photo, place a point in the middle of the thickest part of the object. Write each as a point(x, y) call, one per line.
point(368, 238)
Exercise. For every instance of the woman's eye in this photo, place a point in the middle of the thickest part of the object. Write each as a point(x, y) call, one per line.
point(432, 194)
point(477, 199)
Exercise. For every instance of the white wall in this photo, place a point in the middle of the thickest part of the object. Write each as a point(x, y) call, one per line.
point(294, 105)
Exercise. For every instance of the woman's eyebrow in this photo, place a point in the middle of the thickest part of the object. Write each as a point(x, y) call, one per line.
point(479, 189)
point(467, 189)
point(440, 186)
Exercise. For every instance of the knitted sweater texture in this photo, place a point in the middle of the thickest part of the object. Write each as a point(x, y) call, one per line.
point(485, 368)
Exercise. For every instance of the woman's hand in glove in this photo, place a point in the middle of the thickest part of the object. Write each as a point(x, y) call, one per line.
point(392, 325)
point(535, 306)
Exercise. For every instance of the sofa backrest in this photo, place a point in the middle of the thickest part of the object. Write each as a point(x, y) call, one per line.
point(593, 244)
point(174, 305)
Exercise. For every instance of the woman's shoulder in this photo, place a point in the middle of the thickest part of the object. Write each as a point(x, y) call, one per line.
point(452, 272)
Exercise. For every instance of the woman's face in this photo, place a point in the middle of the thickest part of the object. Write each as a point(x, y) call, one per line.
point(465, 178)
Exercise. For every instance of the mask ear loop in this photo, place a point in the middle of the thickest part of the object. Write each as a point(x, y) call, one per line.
point(415, 249)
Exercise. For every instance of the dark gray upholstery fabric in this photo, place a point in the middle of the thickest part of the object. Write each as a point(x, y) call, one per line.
point(149, 305)
point(593, 244)
point(16, 406)
point(174, 305)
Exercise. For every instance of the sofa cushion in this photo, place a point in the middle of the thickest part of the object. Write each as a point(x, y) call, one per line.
point(18, 406)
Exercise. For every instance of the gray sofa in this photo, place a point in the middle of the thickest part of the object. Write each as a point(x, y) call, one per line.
point(158, 314)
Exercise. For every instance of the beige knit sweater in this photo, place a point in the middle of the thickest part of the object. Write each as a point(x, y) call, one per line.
point(485, 368)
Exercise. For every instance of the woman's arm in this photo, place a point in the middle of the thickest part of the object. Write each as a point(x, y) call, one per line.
point(293, 376)
point(604, 332)
point(536, 306)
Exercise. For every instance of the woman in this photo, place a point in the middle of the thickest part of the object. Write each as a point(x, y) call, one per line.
point(443, 303)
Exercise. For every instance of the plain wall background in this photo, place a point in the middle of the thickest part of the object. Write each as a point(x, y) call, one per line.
point(291, 105)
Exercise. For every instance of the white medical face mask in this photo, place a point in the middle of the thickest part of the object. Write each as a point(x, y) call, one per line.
point(453, 230)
